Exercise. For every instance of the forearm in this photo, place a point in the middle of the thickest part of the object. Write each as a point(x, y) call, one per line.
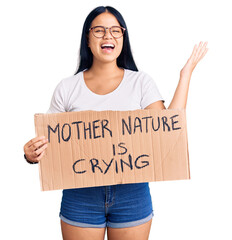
point(179, 99)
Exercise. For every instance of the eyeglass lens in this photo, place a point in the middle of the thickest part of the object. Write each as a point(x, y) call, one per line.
point(115, 31)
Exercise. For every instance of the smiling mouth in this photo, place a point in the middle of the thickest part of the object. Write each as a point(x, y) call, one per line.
point(107, 49)
point(108, 46)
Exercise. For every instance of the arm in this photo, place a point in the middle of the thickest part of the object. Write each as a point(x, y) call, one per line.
point(180, 96)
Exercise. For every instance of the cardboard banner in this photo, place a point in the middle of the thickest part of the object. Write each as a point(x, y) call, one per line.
point(97, 148)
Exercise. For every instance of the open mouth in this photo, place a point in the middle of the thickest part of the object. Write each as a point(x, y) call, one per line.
point(107, 46)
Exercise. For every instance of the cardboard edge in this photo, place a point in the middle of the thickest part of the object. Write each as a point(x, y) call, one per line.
point(36, 134)
point(186, 131)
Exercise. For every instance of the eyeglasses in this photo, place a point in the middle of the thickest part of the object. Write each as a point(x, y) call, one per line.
point(100, 31)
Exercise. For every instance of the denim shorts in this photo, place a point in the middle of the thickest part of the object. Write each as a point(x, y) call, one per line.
point(115, 206)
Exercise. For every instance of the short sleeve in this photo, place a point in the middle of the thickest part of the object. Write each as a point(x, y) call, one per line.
point(150, 92)
point(58, 99)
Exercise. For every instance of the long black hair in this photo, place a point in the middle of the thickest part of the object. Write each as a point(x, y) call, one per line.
point(124, 60)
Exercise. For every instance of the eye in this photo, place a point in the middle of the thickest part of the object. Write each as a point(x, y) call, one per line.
point(99, 29)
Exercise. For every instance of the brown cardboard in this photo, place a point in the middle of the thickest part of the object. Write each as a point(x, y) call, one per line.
point(107, 153)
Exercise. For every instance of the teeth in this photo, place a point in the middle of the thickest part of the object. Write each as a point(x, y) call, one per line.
point(107, 45)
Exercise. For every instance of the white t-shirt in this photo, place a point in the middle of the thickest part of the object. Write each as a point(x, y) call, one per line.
point(137, 90)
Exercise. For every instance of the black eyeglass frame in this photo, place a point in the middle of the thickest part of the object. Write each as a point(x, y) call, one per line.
point(123, 31)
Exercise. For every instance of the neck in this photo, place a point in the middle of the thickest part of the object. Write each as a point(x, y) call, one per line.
point(104, 69)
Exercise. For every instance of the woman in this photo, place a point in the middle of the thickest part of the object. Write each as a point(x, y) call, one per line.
point(108, 79)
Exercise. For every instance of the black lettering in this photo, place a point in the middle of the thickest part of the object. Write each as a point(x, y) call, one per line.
point(155, 129)
point(116, 166)
point(78, 130)
point(95, 165)
point(94, 127)
point(113, 150)
point(104, 127)
point(139, 124)
point(57, 128)
point(130, 163)
point(87, 129)
point(147, 122)
point(128, 128)
point(108, 165)
point(164, 119)
point(74, 166)
point(69, 132)
point(173, 128)
point(147, 163)
point(119, 145)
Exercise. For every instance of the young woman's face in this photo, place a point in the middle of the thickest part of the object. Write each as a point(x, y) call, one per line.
point(105, 54)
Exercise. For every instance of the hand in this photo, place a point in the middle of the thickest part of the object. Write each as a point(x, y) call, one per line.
point(35, 148)
point(197, 54)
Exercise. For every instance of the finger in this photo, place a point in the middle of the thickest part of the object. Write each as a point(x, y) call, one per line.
point(40, 156)
point(194, 51)
point(194, 55)
point(31, 158)
point(203, 54)
point(202, 50)
point(198, 48)
point(41, 149)
point(38, 144)
point(34, 140)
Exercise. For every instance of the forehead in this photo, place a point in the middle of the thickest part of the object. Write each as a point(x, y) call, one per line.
point(105, 19)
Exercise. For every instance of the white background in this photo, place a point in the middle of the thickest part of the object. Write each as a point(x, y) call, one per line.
point(39, 46)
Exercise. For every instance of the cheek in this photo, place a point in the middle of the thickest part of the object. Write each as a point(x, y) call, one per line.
point(94, 48)
point(93, 43)
point(120, 45)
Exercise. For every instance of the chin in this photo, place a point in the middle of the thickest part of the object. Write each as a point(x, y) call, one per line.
point(107, 59)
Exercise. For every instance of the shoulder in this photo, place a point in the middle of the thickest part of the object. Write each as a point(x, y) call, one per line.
point(133, 73)
point(71, 80)
point(68, 83)
point(140, 76)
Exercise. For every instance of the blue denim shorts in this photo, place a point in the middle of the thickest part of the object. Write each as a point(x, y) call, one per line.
point(115, 206)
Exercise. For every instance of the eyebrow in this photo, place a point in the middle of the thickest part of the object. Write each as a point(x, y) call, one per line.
point(105, 26)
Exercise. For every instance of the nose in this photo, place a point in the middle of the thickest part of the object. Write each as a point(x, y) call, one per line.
point(107, 33)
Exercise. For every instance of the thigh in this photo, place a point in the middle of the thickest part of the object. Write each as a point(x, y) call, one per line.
point(83, 207)
point(140, 232)
point(131, 206)
point(70, 232)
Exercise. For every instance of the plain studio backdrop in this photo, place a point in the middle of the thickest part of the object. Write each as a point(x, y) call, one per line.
point(40, 42)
